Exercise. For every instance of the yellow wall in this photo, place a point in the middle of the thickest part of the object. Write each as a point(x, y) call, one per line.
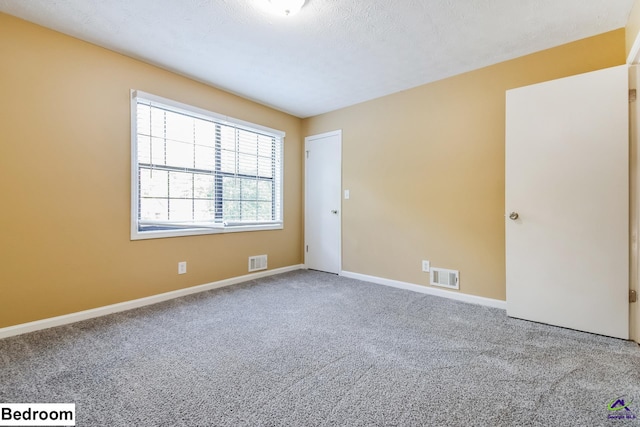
point(633, 26)
point(427, 185)
point(425, 168)
point(65, 181)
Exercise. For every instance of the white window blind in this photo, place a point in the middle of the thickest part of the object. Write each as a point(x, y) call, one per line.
point(197, 172)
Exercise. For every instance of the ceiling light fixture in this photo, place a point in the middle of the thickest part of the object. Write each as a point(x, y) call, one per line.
point(285, 7)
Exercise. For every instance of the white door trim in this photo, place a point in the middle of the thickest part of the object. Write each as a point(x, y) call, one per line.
point(324, 135)
point(634, 53)
point(634, 194)
point(634, 201)
point(306, 140)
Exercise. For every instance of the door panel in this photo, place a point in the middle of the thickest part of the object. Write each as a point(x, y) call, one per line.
point(323, 184)
point(567, 157)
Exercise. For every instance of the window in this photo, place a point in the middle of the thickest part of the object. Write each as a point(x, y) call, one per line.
point(196, 172)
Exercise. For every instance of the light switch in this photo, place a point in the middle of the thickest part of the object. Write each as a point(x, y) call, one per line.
point(346, 194)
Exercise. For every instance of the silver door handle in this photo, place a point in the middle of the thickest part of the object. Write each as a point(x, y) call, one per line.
point(335, 212)
point(513, 216)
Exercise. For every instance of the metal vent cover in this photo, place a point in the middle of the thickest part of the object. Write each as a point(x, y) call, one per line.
point(258, 262)
point(445, 278)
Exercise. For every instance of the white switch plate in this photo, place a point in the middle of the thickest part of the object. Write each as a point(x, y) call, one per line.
point(346, 194)
point(426, 265)
point(182, 267)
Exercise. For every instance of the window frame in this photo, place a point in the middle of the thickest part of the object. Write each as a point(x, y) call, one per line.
point(210, 116)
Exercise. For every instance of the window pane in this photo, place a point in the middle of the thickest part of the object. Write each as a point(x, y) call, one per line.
point(144, 119)
point(265, 167)
point(157, 122)
point(179, 127)
point(249, 189)
point(204, 186)
point(157, 151)
point(205, 157)
point(265, 146)
point(180, 210)
point(180, 185)
point(249, 211)
point(205, 133)
point(144, 149)
point(230, 188)
point(179, 154)
point(228, 161)
point(154, 209)
point(265, 190)
point(247, 142)
point(154, 183)
point(227, 138)
point(265, 211)
point(231, 211)
point(247, 165)
point(204, 210)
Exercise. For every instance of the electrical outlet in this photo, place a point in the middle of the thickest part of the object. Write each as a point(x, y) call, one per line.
point(426, 265)
point(182, 267)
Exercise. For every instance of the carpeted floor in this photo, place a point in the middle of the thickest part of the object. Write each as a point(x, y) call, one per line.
point(314, 349)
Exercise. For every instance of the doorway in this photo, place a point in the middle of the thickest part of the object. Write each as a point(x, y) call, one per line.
point(323, 210)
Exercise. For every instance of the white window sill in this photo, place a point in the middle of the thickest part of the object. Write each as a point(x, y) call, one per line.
point(160, 234)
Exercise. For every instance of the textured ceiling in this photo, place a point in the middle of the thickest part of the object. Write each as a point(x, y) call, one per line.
point(333, 53)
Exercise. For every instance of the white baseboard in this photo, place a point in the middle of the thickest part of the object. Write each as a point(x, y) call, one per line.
point(136, 303)
point(489, 302)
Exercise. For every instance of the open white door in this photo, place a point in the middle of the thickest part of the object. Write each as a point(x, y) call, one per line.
point(323, 185)
point(567, 179)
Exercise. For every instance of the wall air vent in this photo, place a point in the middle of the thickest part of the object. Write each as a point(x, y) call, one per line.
point(258, 262)
point(445, 278)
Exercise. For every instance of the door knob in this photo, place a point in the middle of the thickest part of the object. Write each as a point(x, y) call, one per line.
point(334, 211)
point(513, 216)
